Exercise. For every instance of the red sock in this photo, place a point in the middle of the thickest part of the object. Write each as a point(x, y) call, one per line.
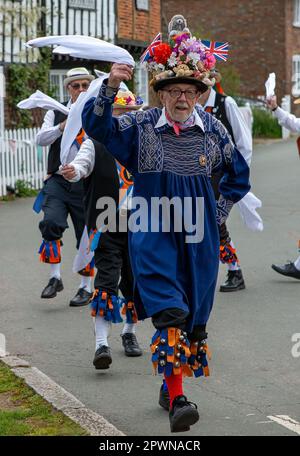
point(174, 384)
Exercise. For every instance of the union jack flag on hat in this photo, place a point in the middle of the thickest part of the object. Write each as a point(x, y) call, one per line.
point(218, 49)
point(149, 51)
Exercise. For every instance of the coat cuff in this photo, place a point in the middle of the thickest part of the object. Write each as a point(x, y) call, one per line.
point(224, 206)
point(106, 95)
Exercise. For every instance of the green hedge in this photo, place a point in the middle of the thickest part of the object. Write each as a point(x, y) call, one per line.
point(265, 125)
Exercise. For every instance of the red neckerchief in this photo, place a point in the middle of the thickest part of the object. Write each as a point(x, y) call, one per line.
point(177, 126)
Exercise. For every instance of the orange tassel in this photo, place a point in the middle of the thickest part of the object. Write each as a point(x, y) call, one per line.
point(172, 336)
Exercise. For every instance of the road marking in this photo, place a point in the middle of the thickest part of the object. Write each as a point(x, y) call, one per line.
point(286, 421)
point(264, 422)
point(2, 345)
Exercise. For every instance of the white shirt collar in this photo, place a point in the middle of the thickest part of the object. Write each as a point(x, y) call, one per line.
point(163, 120)
point(211, 99)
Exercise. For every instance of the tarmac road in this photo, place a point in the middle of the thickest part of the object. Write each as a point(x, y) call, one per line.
point(254, 374)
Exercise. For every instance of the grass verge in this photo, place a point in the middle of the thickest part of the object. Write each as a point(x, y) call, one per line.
point(25, 413)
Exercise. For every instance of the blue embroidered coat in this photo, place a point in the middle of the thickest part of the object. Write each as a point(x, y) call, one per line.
point(168, 271)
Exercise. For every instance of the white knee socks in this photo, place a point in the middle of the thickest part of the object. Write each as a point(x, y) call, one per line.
point(230, 266)
point(297, 263)
point(55, 270)
point(129, 328)
point(102, 330)
point(86, 283)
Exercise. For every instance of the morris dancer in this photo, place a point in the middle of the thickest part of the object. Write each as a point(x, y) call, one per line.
point(105, 178)
point(225, 109)
point(62, 198)
point(171, 152)
point(292, 123)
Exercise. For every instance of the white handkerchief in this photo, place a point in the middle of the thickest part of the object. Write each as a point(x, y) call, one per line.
point(247, 208)
point(270, 85)
point(84, 255)
point(86, 47)
point(40, 100)
point(74, 123)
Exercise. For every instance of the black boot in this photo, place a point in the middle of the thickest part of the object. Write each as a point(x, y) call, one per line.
point(52, 288)
point(102, 358)
point(82, 298)
point(234, 281)
point(164, 398)
point(182, 414)
point(131, 345)
point(288, 270)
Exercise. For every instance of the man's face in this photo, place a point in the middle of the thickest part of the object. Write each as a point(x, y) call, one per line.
point(76, 87)
point(179, 100)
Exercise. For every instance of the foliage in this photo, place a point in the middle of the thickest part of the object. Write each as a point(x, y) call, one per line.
point(20, 16)
point(24, 188)
point(23, 80)
point(230, 79)
point(264, 125)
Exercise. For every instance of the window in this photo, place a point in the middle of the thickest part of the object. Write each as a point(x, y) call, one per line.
point(296, 76)
point(141, 83)
point(142, 5)
point(82, 4)
point(57, 84)
point(296, 22)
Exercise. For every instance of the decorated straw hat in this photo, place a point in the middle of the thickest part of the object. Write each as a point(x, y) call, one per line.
point(127, 100)
point(183, 59)
point(77, 73)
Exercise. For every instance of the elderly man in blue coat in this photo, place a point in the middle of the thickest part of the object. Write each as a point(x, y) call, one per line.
point(171, 152)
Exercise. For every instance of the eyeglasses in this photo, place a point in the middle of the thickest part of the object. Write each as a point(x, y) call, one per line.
point(189, 94)
point(77, 85)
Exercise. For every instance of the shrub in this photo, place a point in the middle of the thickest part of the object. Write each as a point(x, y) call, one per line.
point(264, 125)
point(24, 188)
point(230, 79)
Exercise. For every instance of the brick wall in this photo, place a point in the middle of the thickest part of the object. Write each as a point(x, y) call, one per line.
point(256, 33)
point(138, 26)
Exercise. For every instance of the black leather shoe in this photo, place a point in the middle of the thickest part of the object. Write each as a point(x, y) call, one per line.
point(131, 345)
point(52, 288)
point(234, 281)
point(288, 270)
point(164, 398)
point(182, 414)
point(82, 298)
point(102, 358)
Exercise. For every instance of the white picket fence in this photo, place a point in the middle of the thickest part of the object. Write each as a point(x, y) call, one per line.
point(21, 159)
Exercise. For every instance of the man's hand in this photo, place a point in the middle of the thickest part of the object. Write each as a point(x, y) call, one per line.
point(272, 102)
point(118, 73)
point(68, 172)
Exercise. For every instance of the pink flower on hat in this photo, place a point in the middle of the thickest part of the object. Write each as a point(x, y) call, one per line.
point(210, 61)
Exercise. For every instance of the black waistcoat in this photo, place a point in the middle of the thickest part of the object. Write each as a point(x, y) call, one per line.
point(219, 112)
point(103, 181)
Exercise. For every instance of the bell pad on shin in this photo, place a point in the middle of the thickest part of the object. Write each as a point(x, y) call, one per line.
point(170, 352)
point(106, 305)
point(130, 311)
